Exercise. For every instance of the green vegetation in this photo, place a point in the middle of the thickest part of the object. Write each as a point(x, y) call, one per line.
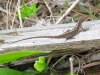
point(66, 3)
point(87, 11)
point(7, 71)
point(40, 65)
point(28, 11)
point(11, 56)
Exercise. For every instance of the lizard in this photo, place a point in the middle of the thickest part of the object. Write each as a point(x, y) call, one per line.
point(68, 34)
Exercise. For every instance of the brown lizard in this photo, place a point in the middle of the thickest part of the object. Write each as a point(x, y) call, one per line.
point(68, 34)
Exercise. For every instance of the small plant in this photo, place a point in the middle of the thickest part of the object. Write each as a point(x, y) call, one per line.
point(28, 11)
point(40, 65)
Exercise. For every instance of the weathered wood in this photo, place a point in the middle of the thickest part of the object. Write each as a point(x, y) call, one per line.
point(81, 42)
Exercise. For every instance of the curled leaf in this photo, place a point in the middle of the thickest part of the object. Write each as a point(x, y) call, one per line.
point(40, 64)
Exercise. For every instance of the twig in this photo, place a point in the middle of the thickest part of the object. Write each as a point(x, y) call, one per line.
point(13, 19)
point(60, 59)
point(49, 11)
point(14, 16)
point(1, 9)
point(7, 6)
point(67, 12)
point(19, 14)
point(71, 65)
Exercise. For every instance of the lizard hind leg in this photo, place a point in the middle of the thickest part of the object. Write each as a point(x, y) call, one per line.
point(69, 37)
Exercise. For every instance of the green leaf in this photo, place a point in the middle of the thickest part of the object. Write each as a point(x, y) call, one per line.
point(34, 9)
point(66, 3)
point(24, 11)
point(87, 11)
point(25, 8)
point(11, 56)
point(7, 71)
point(40, 64)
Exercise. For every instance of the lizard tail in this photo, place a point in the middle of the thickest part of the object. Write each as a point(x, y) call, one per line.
point(59, 36)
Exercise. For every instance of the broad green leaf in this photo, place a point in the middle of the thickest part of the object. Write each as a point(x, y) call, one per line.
point(7, 71)
point(11, 56)
point(40, 64)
